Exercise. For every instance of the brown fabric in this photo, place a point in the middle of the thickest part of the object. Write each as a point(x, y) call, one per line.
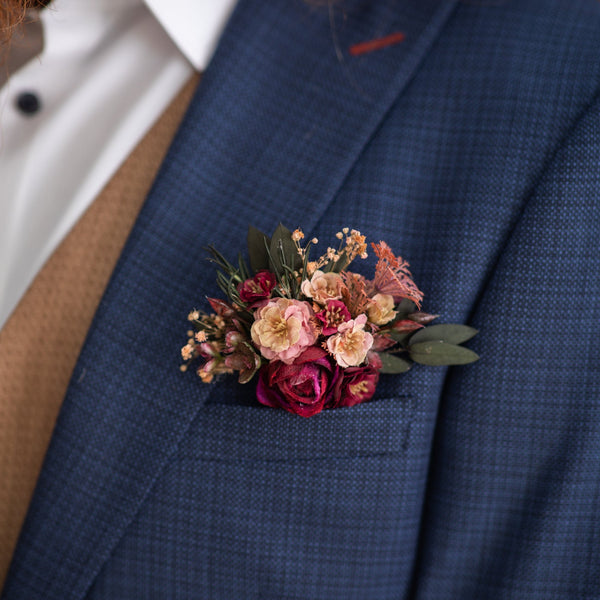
point(27, 42)
point(40, 343)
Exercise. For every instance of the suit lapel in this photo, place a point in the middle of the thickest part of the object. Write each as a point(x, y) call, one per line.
point(280, 118)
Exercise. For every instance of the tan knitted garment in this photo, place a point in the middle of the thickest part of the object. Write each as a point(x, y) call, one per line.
point(40, 343)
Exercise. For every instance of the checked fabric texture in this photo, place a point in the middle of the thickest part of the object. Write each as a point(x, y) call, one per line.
point(471, 147)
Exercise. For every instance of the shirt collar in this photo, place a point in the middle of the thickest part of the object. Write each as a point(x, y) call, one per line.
point(195, 26)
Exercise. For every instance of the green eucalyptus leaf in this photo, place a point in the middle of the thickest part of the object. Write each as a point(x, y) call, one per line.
point(451, 334)
point(258, 245)
point(437, 353)
point(393, 364)
point(404, 308)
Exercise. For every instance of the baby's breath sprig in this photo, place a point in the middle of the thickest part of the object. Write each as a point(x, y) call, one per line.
point(352, 244)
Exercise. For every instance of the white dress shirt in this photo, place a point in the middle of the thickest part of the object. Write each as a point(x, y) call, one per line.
point(108, 70)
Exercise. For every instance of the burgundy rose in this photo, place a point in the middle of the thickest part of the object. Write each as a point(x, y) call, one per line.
point(303, 387)
point(257, 288)
point(358, 384)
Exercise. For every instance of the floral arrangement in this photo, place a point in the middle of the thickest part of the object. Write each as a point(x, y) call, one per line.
point(317, 335)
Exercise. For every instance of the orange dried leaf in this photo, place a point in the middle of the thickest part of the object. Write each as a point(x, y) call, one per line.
point(393, 277)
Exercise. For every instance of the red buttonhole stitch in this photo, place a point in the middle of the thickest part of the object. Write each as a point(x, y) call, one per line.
point(377, 44)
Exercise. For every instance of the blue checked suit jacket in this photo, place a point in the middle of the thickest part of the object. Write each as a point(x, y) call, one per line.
point(472, 148)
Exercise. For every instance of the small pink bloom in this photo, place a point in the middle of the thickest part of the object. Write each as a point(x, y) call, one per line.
point(257, 288)
point(209, 349)
point(283, 329)
point(350, 345)
point(323, 287)
point(303, 387)
point(232, 339)
point(332, 316)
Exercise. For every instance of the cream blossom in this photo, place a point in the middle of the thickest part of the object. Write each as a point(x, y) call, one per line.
point(283, 329)
point(323, 287)
point(350, 345)
point(381, 309)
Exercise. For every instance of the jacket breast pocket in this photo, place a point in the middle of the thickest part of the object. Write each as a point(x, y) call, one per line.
point(232, 433)
point(260, 503)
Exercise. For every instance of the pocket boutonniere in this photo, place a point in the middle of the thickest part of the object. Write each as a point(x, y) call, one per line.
point(315, 334)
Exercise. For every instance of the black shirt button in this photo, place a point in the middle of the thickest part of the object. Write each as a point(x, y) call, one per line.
point(28, 103)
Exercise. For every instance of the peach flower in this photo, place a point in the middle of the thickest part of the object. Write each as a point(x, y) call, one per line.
point(283, 329)
point(323, 287)
point(350, 345)
point(381, 309)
